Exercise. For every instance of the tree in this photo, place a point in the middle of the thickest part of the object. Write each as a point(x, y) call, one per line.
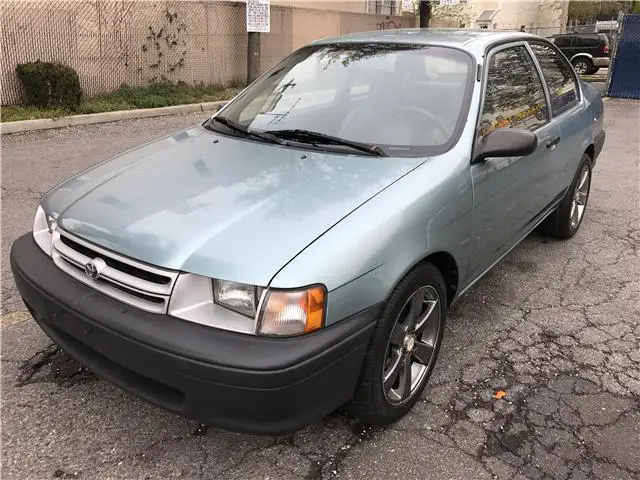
point(590, 10)
point(551, 13)
point(425, 13)
point(453, 15)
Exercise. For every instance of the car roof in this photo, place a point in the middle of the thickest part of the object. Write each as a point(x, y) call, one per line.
point(472, 40)
point(578, 34)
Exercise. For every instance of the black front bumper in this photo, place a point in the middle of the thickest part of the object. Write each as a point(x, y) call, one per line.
point(234, 381)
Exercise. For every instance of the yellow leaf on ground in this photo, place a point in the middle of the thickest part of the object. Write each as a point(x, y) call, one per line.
point(500, 394)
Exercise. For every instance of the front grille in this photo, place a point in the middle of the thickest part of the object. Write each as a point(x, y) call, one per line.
point(127, 280)
point(112, 262)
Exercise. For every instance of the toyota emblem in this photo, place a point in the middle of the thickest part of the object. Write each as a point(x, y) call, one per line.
point(94, 267)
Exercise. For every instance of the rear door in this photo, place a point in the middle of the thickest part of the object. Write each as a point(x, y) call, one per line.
point(510, 193)
point(566, 110)
point(592, 45)
point(568, 44)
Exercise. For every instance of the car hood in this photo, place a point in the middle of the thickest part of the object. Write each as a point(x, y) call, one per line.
point(215, 205)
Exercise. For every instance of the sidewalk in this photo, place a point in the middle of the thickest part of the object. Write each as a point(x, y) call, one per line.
point(76, 120)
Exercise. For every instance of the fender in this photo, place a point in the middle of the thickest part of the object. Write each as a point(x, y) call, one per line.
point(577, 55)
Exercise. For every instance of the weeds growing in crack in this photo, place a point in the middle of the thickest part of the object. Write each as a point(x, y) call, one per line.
point(59, 473)
point(201, 431)
point(360, 433)
point(52, 364)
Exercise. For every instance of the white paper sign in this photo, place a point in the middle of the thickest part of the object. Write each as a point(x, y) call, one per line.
point(258, 16)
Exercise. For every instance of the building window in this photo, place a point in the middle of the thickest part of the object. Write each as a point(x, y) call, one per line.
point(383, 7)
point(487, 18)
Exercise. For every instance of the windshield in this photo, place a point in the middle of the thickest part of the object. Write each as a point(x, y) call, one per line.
point(406, 100)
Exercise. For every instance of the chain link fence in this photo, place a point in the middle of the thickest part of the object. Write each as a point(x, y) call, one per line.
point(115, 42)
point(622, 79)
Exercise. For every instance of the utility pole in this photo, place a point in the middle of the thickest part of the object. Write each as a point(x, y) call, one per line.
point(253, 56)
point(425, 13)
point(258, 21)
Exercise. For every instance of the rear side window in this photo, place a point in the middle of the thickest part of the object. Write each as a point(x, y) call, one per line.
point(514, 95)
point(562, 42)
point(558, 76)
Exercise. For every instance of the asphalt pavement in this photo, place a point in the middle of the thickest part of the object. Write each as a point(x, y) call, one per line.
point(554, 329)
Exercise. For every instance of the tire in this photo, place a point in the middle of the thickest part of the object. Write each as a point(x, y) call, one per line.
point(595, 70)
point(561, 223)
point(582, 66)
point(422, 289)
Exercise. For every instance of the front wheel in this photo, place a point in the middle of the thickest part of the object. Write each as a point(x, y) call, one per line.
point(404, 348)
point(564, 222)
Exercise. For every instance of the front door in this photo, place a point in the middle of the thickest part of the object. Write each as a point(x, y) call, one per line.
point(508, 192)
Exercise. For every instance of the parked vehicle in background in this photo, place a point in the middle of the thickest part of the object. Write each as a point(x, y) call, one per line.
point(587, 52)
point(300, 248)
point(608, 27)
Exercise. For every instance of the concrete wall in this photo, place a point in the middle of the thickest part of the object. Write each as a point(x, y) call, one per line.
point(544, 17)
point(111, 42)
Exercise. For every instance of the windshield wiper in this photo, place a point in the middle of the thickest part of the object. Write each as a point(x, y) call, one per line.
point(231, 125)
point(318, 138)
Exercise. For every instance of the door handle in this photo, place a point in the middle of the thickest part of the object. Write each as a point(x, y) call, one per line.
point(553, 142)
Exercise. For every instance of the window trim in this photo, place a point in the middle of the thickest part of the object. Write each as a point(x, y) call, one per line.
point(491, 51)
point(567, 64)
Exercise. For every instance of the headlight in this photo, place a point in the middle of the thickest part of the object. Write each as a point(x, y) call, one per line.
point(246, 308)
point(43, 226)
point(292, 312)
point(238, 297)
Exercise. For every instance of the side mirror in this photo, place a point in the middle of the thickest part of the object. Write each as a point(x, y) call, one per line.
point(505, 142)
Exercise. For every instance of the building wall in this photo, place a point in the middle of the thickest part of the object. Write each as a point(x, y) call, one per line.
point(115, 42)
point(353, 6)
point(543, 17)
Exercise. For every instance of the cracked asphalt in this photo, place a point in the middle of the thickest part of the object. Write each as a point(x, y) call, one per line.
point(556, 326)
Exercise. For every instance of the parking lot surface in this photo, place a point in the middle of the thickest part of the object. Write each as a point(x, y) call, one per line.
point(554, 330)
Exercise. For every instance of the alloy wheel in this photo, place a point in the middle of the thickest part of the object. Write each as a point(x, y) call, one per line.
point(580, 197)
point(581, 67)
point(412, 345)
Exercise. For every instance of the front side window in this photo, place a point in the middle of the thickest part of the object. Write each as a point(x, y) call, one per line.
point(514, 95)
point(559, 77)
point(408, 100)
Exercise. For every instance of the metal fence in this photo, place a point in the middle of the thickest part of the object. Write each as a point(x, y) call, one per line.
point(112, 42)
point(624, 80)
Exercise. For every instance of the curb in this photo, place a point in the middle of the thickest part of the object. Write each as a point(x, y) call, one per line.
point(104, 117)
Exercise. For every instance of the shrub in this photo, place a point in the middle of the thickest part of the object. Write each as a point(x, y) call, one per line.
point(50, 84)
point(237, 83)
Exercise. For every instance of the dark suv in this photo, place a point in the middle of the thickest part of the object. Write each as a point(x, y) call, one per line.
point(587, 52)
